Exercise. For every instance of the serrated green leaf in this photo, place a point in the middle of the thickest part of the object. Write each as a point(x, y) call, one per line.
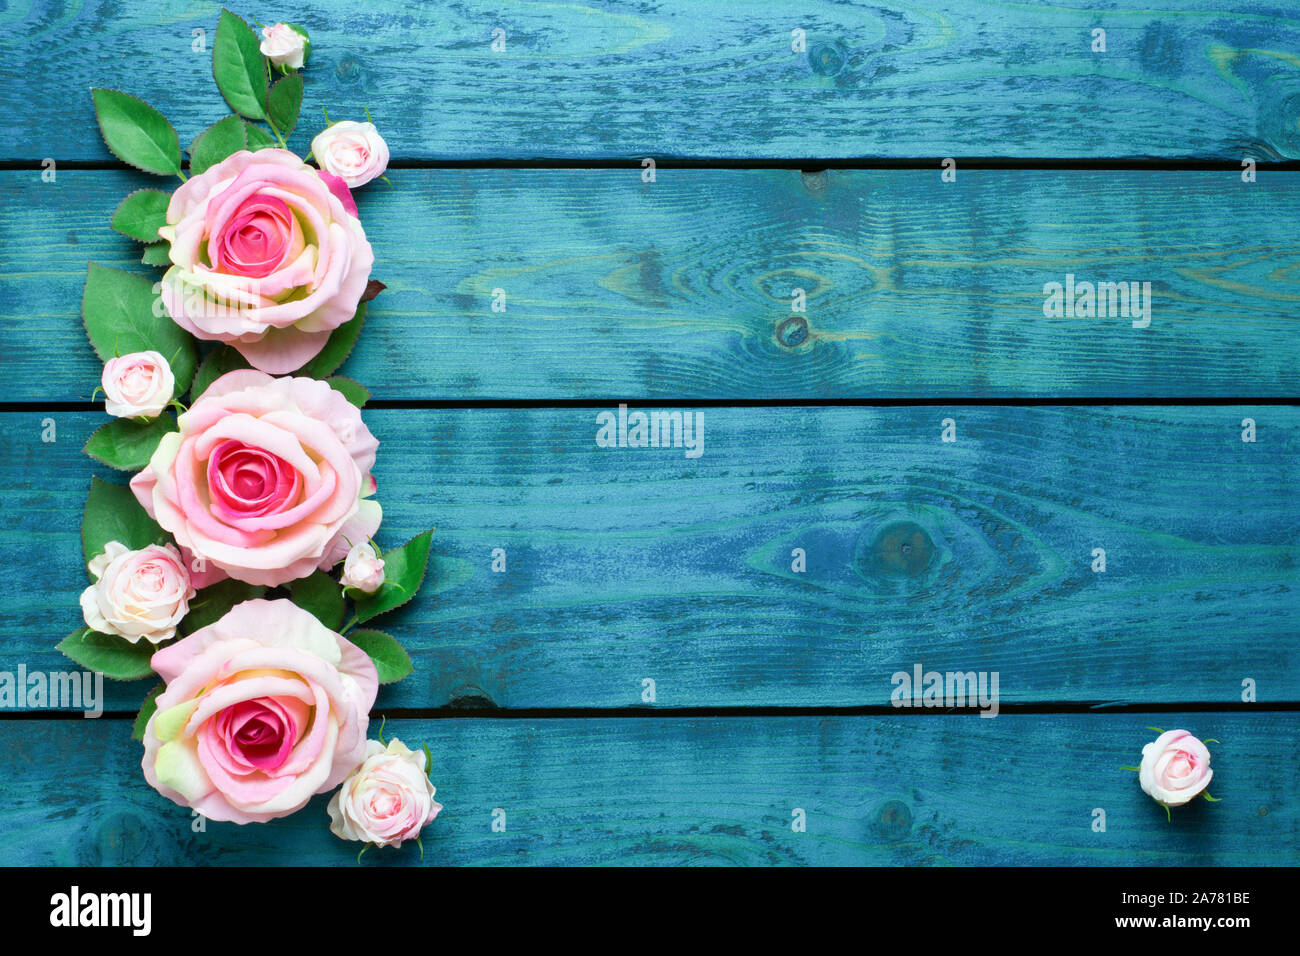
point(136, 133)
point(353, 391)
point(223, 138)
point(403, 575)
point(126, 444)
point(320, 594)
point(212, 603)
point(216, 363)
point(391, 660)
point(141, 214)
point(283, 101)
point(113, 514)
point(239, 67)
point(157, 254)
point(118, 309)
point(147, 710)
point(337, 348)
point(114, 657)
point(258, 138)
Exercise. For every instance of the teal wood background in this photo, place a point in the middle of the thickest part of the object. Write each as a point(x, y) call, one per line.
point(710, 78)
point(628, 564)
point(772, 686)
point(681, 288)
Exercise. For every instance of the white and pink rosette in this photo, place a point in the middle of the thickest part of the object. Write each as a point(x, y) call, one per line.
point(137, 595)
point(262, 710)
point(1175, 768)
point(265, 256)
point(387, 800)
point(266, 480)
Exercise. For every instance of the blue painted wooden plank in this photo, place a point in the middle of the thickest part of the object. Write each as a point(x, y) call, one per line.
point(934, 790)
point(682, 288)
point(627, 564)
point(634, 78)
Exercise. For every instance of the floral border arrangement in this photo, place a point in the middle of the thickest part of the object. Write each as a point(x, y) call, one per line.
point(228, 565)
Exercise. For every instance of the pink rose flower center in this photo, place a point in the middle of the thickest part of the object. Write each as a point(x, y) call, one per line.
point(260, 237)
point(249, 482)
point(1182, 766)
point(137, 382)
point(260, 733)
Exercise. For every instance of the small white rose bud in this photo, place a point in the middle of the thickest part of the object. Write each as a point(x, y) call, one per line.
point(387, 800)
point(138, 385)
point(363, 569)
point(137, 594)
point(285, 46)
point(352, 151)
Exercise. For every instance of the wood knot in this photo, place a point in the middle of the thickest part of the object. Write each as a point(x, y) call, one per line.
point(898, 550)
point(793, 332)
point(894, 821)
point(471, 697)
point(825, 59)
point(348, 72)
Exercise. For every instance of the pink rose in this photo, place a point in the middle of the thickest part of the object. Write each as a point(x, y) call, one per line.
point(137, 594)
point(355, 152)
point(138, 385)
point(262, 710)
point(265, 257)
point(266, 479)
point(1175, 767)
point(387, 799)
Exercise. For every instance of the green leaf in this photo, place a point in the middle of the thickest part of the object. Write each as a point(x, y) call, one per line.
point(320, 594)
point(118, 309)
point(136, 133)
point(113, 514)
point(239, 67)
point(336, 349)
point(126, 444)
point(391, 660)
point(223, 138)
point(283, 101)
point(114, 657)
point(403, 575)
point(147, 710)
point(212, 603)
point(141, 214)
point(353, 391)
point(157, 254)
point(216, 363)
point(258, 138)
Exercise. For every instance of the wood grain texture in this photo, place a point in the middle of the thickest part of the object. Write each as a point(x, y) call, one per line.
point(1179, 78)
point(681, 288)
point(626, 564)
point(934, 790)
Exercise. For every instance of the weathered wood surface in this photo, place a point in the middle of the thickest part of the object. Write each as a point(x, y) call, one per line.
point(929, 790)
point(618, 289)
point(704, 78)
point(626, 564)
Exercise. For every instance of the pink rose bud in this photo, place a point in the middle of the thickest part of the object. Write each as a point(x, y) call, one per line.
point(387, 799)
point(363, 569)
point(1175, 768)
point(137, 594)
point(355, 152)
point(138, 385)
point(284, 46)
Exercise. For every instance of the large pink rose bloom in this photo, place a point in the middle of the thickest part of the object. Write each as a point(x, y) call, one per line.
point(266, 480)
point(262, 710)
point(264, 256)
